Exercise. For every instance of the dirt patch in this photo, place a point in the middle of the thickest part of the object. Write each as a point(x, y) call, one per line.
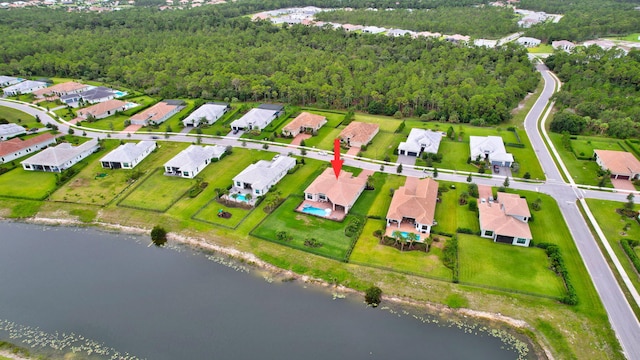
point(76, 183)
point(304, 219)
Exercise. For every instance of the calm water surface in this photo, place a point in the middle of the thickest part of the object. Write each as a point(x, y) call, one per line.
point(113, 294)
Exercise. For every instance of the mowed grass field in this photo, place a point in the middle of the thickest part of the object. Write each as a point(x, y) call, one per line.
point(18, 117)
point(302, 226)
point(369, 251)
point(157, 192)
point(613, 226)
point(449, 214)
point(87, 188)
point(485, 263)
point(20, 183)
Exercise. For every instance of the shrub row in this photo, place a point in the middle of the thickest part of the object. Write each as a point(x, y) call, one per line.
point(558, 266)
point(515, 132)
point(516, 145)
point(467, 231)
point(628, 246)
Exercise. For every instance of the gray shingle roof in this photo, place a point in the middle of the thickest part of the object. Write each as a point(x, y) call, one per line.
point(193, 156)
point(127, 153)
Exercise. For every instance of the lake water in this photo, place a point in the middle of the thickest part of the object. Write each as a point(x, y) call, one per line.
point(112, 294)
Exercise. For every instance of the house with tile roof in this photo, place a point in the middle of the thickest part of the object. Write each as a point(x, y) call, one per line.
point(102, 110)
point(259, 177)
point(358, 133)
point(490, 148)
point(16, 148)
point(156, 114)
point(60, 157)
point(339, 193)
point(622, 165)
point(9, 80)
point(8, 131)
point(24, 87)
point(506, 219)
point(563, 45)
point(192, 160)
point(413, 207)
point(61, 89)
point(208, 114)
point(96, 95)
point(419, 141)
point(258, 118)
point(304, 123)
point(127, 156)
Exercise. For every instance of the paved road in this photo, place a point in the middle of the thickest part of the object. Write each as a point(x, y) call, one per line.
point(621, 316)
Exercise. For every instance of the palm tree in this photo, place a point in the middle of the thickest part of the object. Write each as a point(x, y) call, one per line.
point(428, 241)
point(412, 237)
point(396, 236)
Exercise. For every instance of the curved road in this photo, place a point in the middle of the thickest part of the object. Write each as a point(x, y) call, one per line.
point(621, 316)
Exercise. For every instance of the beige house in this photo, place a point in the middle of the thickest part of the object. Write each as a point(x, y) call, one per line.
point(305, 122)
point(358, 133)
point(339, 193)
point(504, 220)
point(413, 207)
point(61, 89)
point(623, 165)
point(102, 110)
point(157, 114)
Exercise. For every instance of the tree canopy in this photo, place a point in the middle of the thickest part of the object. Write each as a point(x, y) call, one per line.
point(600, 94)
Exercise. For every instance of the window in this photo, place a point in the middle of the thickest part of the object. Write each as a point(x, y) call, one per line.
point(309, 197)
point(521, 241)
point(488, 233)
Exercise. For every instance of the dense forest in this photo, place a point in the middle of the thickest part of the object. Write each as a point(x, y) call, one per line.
point(584, 19)
point(479, 22)
point(601, 92)
point(199, 54)
point(259, 5)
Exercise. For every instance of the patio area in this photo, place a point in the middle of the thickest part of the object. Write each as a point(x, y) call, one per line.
point(323, 209)
point(240, 197)
point(404, 228)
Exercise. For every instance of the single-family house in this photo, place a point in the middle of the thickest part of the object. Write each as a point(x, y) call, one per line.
point(563, 45)
point(61, 89)
point(339, 193)
point(490, 148)
point(485, 42)
point(208, 113)
point(98, 94)
point(7, 131)
point(528, 41)
point(102, 110)
point(304, 123)
point(17, 148)
point(419, 141)
point(413, 207)
point(621, 164)
point(358, 133)
point(505, 220)
point(127, 156)
point(351, 27)
point(156, 114)
point(457, 38)
point(259, 177)
point(71, 99)
point(192, 160)
point(9, 80)
point(258, 118)
point(373, 30)
point(24, 87)
point(399, 32)
point(60, 157)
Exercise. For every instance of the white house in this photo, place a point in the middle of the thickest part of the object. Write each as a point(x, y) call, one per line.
point(103, 109)
point(419, 141)
point(9, 80)
point(258, 118)
point(60, 157)
point(17, 148)
point(7, 131)
point(24, 87)
point(258, 178)
point(127, 156)
point(563, 45)
point(192, 160)
point(490, 148)
point(528, 41)
point(207, 113)
point(373, 30)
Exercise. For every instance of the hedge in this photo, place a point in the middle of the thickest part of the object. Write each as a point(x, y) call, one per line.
point(558, 266)
point(628, 246)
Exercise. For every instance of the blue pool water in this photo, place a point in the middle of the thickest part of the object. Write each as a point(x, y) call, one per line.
point(120, 93)
point(406, 234)
point(130, 105)
point(316, 211)
point(242, 197)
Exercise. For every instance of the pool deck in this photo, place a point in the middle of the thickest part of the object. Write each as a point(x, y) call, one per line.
point(404, 227)
point(337, 215)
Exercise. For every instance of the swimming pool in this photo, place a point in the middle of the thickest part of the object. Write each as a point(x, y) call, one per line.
point(120, 93)
point(130, 105)
point(316, 211)
point(242, 197)
point(405, 235)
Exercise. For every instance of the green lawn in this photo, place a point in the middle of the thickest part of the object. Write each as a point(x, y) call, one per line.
point(613, 224)
point(368, 251)
point(450, 215)
point(541, 49)
point(114, 123)
point(25, 184)
point(635, 37)
point(87, 188)
point(513, 268)
point(21, 118)
point(210, 214)
point(375, 203)
point(583, 171)
point(174, 123)
point(301, 226)
point(157, 192)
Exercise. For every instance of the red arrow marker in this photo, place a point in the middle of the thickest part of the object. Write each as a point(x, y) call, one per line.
point(336, 162)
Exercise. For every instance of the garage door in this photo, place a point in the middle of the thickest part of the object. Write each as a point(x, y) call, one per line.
point(622, 177)
point(504, 239)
